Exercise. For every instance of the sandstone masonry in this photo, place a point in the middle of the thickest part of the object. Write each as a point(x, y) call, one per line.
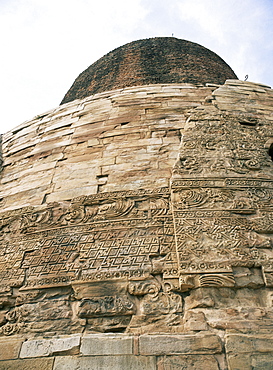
point(136, 231)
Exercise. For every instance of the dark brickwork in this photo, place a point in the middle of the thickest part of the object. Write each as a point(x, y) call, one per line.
point(151, 61)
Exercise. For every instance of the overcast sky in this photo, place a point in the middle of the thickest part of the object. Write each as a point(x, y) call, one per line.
point(46, 44)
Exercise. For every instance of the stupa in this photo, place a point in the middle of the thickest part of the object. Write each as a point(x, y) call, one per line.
point(136, 219)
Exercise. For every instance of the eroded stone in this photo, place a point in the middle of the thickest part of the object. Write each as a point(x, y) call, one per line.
point(49, 347)
point(179, 344)
point(107, 344)
point(191, 362)
point(106, 362)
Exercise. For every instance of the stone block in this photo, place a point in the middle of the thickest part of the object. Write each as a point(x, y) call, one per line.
point(128, 362)
point(49, 347)
point(24, 198)
point(61, 123)
point(28, 364)
point(10, 348)
point(250, 362)
point(262, 362)
point(93, 142)
point(117, 344)
point(195, 321)
point(179, 344)
point(189, 362)
point(72, 193)
point(56, 133)
point(49, 145)
point(239, 361)
point(249, 343)
point(174, 140)
point(250, 278)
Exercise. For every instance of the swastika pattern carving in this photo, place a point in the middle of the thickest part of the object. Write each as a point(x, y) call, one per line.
point(92, 238)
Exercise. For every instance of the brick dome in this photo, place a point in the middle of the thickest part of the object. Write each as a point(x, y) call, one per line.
point(157, 60)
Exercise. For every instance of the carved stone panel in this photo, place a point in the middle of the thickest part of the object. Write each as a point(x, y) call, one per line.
point(222, 220)
point(108, 236)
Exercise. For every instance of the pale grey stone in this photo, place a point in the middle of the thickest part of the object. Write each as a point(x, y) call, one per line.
point(49, 347)
point(97, 344)
point(128, 362)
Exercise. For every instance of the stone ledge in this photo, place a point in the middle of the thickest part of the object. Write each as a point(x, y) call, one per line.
point(47, 347)
point(179, 344)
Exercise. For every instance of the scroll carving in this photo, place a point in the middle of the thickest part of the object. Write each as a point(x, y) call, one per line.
point(155, 298)
point(157, 249)
point(222, 220)
point(106, 306)
point(107, 236)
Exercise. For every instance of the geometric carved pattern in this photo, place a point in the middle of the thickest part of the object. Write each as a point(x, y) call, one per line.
point(120, 260)
point(93, 238)
point(221, 217)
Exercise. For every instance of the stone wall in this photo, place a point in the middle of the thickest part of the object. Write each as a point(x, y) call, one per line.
point(152, 352)
point(1, 159)
point(136, 231)
point(121, 140)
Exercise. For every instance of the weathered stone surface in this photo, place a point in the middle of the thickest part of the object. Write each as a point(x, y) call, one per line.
point(179, 344)
point(191, 362)
point(262, 362)
point(24, 153)
point(151, 217)
point(10, 348)
point(250, 362)
point(249, 343)
point(28, 364)
point(250, 351)
point(105, 362)
point(107, 344)
point(112, 324)
point(49, 347)
point(245, 277)
point(195, 321)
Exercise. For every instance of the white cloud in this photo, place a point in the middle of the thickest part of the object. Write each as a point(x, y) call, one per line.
point(237, 31)
point(45, 44)
point(48, 43)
